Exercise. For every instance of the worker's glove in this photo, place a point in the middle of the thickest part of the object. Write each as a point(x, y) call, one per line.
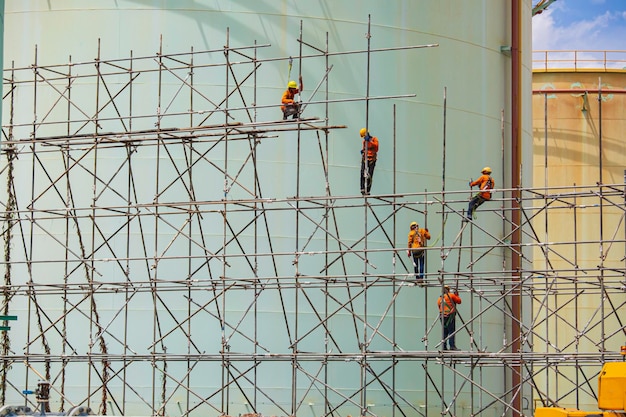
point(408, 253)
point(361, 151)
point(367, 137)
point(470, 184)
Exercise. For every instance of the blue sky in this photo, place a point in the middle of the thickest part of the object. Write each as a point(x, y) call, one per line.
point(581, 25)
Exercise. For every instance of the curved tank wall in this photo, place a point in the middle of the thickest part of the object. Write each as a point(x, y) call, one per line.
point(1, 44)
point(143, 254)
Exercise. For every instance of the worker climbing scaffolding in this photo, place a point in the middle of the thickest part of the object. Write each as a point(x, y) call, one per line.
point(290, 106)
point(485, 183)
point(447, 303)
point(417, 238)
point(369, 154)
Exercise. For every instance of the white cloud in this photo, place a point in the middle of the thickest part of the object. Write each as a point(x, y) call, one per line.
point(554, 30)
point(596, 33)
point(543, 30)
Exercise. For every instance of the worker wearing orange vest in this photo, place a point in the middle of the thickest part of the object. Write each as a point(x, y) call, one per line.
point(369, 154)
point(485, 183)
point(416, 243)
point(447, 309)
point(290, 107)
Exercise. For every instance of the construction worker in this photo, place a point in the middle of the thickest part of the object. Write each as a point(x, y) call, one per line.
point(485, 183)
point(290, 107)
point(447, 310)
point(416, 245)
point(369, 152)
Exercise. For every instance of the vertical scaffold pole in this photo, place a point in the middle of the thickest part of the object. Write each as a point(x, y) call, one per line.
point(601, 212)
point(365, 210)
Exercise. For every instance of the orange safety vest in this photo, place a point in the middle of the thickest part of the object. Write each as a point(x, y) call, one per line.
point(449, 303)
point(486, 184)
point(372, 148)
point(288, 97)
point(417, 238)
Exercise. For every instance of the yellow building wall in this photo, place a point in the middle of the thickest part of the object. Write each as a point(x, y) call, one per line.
point(578, 145)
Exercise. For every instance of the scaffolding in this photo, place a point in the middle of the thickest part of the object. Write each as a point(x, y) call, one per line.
point(110, 275)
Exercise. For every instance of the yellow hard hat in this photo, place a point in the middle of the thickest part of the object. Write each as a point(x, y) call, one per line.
point(292, 84)
point(362, 132)
point(413, 224)
point(486, 170)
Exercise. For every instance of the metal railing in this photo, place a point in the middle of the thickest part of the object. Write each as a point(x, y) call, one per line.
point(579, 60)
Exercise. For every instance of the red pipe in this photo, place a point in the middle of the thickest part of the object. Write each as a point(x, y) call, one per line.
point(516, 162)
point(578, 90)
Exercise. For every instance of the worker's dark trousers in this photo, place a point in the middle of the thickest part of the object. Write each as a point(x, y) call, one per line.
point(366, 183)
point(474, 204)
point(418, 264)
point(449, 327)
point(291, 110)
